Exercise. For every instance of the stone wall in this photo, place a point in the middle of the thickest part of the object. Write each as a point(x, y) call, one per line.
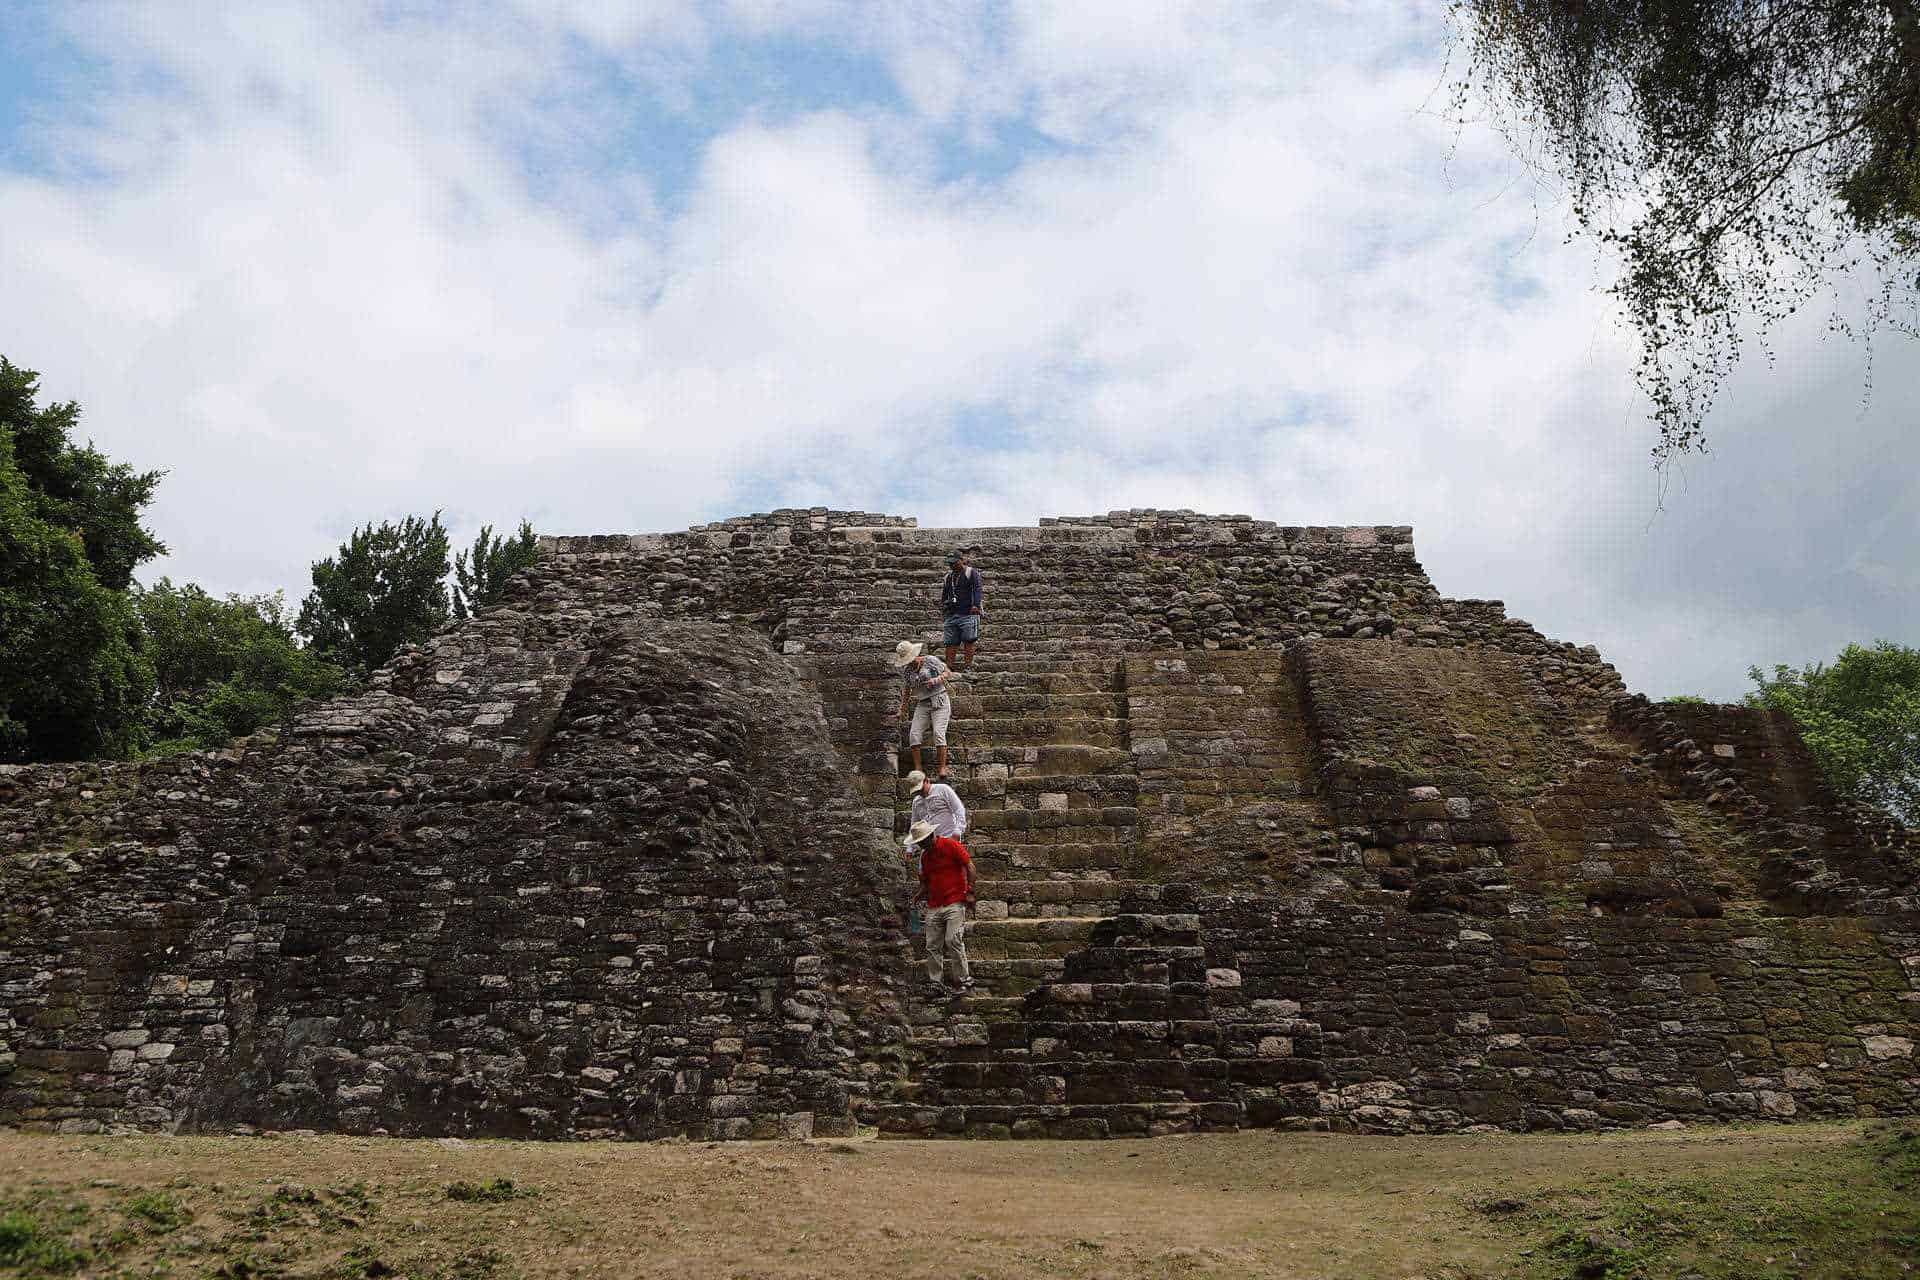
point(654, 911)
point(1272, 833)
point(1223, 748)
point(1265, 1012)
point(1815, 854)
point(1429, 1022)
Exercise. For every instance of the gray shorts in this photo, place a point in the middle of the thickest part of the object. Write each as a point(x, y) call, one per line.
point(925, 716)
point(961, 629)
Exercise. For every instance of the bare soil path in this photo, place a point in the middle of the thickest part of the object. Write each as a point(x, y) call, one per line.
point(1256, 1204)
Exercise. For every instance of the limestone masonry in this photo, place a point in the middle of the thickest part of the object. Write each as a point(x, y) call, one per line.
point(1270, 833)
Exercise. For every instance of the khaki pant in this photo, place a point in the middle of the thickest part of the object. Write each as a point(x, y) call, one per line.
point(927, 716)
point(946, 941)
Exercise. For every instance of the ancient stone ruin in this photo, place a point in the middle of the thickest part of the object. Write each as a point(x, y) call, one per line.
point(1271, 834)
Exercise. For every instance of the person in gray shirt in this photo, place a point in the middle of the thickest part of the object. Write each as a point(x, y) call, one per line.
point(924, 687)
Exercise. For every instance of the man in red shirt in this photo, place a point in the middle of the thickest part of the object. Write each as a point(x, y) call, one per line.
point(947, 884)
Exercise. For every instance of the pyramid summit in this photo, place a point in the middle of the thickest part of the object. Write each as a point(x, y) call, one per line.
point(1268, 832)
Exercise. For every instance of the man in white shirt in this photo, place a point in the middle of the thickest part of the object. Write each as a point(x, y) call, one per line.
point(938, 803)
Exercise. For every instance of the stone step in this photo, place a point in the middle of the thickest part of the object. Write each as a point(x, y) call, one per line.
point(1096, 974)
point(1003, 976)
point(1064, 793)
point(1031, 899)
point(889, 569)
point(1001, 629)
point(1003, 861)
point(1050, 657)
point(877, 583)
point(1169, 1074)
point(1005, 638)
point(1106, 771)
point(978, 678)
point(1039, 731)
point(978, 728)
point(876, 587)
point(1058, 1120)
point(1017, 653)
point(988, 1007)
point(968, 703)
point(919, 612)
point(1135, 994)
point(1150, 928)
point(1047, 759)
point(1054, 793)
point(1028, 937)
point(1019, 825)
point(1062, 639)
point(1014, 906)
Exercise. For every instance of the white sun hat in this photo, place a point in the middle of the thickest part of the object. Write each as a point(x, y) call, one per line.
point(904, 652)
point(920, 831)
point(915, 778)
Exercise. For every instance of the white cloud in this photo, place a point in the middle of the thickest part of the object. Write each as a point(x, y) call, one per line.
point(323, 286)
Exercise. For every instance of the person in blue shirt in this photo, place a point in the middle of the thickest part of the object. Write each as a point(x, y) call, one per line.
point(960, 595)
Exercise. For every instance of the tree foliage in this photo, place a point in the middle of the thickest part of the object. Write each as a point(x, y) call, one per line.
point(74, 487)
point(385, 588)
point(480, 574)
point(1861, 719)
point(1739, 157)
point(72, 677)
point(93, 666)
point(222, 668)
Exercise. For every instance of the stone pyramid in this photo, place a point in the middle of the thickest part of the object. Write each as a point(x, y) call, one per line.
point(1270, 833)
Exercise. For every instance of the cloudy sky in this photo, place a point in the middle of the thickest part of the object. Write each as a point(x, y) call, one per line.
point(621, 267)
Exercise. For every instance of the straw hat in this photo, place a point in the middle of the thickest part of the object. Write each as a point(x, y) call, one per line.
point(904, 652)
point(915, 778)
point(920, 831)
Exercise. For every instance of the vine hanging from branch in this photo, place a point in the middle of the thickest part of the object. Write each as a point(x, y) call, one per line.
point(1738, 157)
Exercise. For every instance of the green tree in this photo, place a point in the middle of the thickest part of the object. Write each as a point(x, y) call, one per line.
point(480, 574)
point(72, 677)
point(1738, 157)
point(1861, 719)
point(222, 668)
point(386, 588)
point(75, 487)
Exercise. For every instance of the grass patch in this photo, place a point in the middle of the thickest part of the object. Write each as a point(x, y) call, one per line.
point(1850, 1212)
point(344, 1208)
point(73, 1230)
point(364, 1262)
point(38, 1240)
point(495, 1192)
point(480, 1264)
point(244, 1263)
point(158, 1212)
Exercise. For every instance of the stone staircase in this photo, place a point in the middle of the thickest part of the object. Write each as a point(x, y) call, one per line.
point(1129, 1041)
point(1095, 1012)
point(1091, 1010)
point(1039, 753)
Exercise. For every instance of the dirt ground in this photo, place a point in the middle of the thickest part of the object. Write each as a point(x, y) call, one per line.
point(1255, 1204)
